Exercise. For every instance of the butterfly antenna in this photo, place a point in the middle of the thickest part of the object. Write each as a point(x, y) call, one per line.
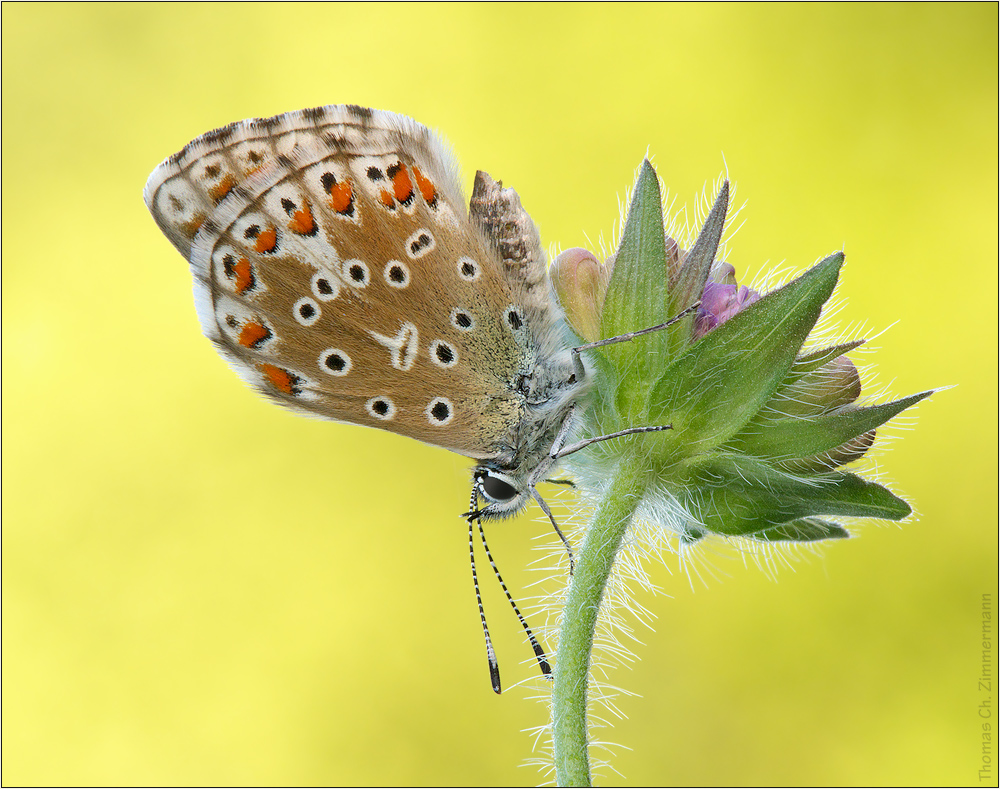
point(552, 520)
point(543, 662)
point(491, 654)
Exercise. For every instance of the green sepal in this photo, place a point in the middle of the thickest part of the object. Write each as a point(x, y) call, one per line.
point(637, 292)
point(784, 439)
point(723, 379)
point(741, 496)
point(816, 359)
point(695, 269)
point(803, 530)
point(847, 452)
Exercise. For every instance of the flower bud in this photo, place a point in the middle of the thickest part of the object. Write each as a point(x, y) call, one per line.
point(834, 385)
point(720, 302)
point(581, 283)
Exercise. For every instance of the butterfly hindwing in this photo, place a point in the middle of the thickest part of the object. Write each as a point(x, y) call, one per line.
point(338, 271)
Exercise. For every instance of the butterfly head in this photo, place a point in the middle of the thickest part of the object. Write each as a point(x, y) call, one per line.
point(502, 493)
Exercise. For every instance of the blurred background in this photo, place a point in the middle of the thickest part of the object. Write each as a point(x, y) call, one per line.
point(165, 624)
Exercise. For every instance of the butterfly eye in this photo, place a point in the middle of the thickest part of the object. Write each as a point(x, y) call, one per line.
point(495, 488)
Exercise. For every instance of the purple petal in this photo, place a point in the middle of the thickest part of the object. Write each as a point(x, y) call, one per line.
point(719, 303)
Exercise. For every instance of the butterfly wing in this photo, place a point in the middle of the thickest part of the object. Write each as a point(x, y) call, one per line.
point(337, 271)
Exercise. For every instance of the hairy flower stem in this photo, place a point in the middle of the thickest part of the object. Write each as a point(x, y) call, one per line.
point(583, 602)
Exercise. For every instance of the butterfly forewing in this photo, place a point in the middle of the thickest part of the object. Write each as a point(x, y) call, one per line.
point(337, 270)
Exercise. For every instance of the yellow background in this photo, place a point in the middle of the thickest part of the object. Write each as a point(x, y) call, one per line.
point(201, 588)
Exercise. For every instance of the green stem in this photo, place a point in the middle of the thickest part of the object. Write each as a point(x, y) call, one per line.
point(576, 640)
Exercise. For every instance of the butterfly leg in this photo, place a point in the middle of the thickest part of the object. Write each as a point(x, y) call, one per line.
point(618, 434)
point(552, 520)
point(560, 450)
point(542, 470)
point(633, 334)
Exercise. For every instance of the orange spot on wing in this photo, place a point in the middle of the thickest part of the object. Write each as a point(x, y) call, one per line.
point(387, 199)
point(190, 229)
point(243, 274)
point(267, 240)
point(302, 222)
point(281, 379)
point(253, 333)
point(221, 189)
point(426, 187)
point(402, 186)
point(341, 196)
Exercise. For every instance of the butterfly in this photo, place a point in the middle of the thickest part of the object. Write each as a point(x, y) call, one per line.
point(339, 273)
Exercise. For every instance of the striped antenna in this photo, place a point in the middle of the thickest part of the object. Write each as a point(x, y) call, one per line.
point(491, 654)
point(490, 651)
point(543, 663)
